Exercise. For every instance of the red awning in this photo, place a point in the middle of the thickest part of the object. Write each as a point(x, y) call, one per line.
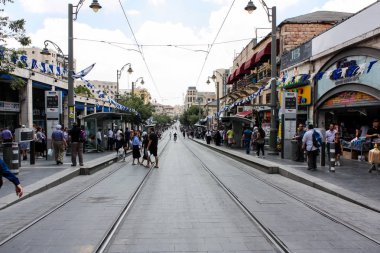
point(232, 77)
point(250, 63)
point(264, 52)
point(244, 114)
point(241, 71)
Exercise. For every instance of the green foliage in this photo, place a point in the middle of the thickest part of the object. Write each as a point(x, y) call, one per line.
point(17, 83)
point(83, 91)
point(191, 116)
point(145, 110)
point(11, 29)
point(161, 119)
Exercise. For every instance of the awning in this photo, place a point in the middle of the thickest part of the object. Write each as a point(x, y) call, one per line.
point(244, 114)
point(231, 78)
point(250, 64)
point(241, 71)
point(265, 52)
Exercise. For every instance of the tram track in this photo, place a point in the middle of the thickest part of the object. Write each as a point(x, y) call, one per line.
point(266, 231)
point(118, 220)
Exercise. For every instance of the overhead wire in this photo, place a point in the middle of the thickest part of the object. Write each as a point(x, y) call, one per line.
point(212, 44)
point(140, 50)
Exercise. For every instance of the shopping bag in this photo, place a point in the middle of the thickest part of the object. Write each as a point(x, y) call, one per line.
point(50, 154)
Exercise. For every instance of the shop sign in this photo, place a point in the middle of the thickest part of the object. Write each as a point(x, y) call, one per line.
point(9, 106)
point(296, 55)
point(304, 94)
point(350, 70)
point(350, 98)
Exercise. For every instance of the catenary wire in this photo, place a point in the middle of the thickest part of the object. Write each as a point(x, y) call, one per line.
point(140, 50)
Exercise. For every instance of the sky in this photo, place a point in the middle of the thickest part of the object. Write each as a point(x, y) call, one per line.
point(173, 36)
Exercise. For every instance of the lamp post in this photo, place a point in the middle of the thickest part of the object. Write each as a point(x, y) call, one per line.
point(46, 51)
point(133, 84)
point(223, 76)
point(118, 75)
point(95, 6)
point(271, 13)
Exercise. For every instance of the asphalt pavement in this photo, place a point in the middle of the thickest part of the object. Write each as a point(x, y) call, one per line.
point(351, 181)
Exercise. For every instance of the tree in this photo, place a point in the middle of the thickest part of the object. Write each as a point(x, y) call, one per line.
point(191, 116)
point(145, 110)
point(11, 29)
point(162, 119)
point(82, 90)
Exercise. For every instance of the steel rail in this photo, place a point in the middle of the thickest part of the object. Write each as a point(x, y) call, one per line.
point(308, 205)
point(272, 238)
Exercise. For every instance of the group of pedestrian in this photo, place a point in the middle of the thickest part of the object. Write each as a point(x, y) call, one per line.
point(147, 143)
point(254, 139)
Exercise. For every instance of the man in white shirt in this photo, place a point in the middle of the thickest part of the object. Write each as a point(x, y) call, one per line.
point(311, 150)
point(330, 137)
point(110, 139)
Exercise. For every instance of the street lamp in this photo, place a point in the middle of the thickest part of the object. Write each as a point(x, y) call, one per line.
point(46, 51)
point(95, 6)
point(271, 13)
point(133, 84)
point(217, 92)
point(118, 75)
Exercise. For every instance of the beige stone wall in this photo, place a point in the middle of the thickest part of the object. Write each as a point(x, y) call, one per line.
point(293, 35)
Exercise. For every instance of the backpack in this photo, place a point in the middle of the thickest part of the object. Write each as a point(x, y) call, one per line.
point(317, 140)
point(82, 136)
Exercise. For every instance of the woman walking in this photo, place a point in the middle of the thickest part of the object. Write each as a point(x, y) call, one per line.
point(136, 148)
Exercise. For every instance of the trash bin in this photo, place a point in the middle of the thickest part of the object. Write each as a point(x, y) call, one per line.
point(294, 149)
point(11, 156)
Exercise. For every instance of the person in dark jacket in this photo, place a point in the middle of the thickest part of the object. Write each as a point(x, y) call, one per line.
point(76, 145)
point(5, 172)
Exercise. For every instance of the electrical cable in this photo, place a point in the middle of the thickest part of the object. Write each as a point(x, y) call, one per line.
point(140, 50)
point(209, 50)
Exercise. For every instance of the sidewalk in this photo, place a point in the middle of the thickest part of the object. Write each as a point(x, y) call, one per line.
point(351, 181)
point(45, 174)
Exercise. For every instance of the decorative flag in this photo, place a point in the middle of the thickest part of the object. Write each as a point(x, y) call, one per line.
point(83, 72)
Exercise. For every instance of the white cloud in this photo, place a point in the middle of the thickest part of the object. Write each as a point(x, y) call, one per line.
point(60, 6)
point(157, 2)
point(343, 6)
point(133, 13)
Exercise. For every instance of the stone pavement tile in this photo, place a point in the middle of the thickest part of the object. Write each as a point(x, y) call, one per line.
point(258, 244)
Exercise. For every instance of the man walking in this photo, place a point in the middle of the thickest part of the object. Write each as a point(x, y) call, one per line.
point(310, 147)
point(330, 138)
point(246, 139)
point(76, 145)
point(110, 139)
point(59, 144)
point(153, 145)
point(127, 138)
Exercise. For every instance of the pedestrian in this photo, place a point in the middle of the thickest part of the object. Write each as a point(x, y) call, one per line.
point(217, 138)
point(246, 139)
point(59, 144)
point(184, 134)
point(83, 137)
point(338, 149)
point(298, 137)
point(330, 137)
point(311, 148)
point(136, 148)
point(99, 137)
point(208, 136)
point(119, 140)
point(373, 134)
point(254, 137)
point(144, 144)
point(153, 146)
point(76, 145)
point(6, 135)
point(5, 172)
point(127, 135)
point(260, 142)
point(40, 142)
point(230, 137)
point(24, 147)
point(110, 139)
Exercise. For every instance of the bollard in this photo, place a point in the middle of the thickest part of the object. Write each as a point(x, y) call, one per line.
point(32, 154)
point(7, 153)
point(323, 154)
point(332, 157)
point(14, 168)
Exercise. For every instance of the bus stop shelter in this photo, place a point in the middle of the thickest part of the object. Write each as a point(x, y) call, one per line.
point(103, 121)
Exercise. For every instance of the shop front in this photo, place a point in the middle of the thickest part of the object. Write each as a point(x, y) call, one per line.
point(348, 93)
point(9, 105)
